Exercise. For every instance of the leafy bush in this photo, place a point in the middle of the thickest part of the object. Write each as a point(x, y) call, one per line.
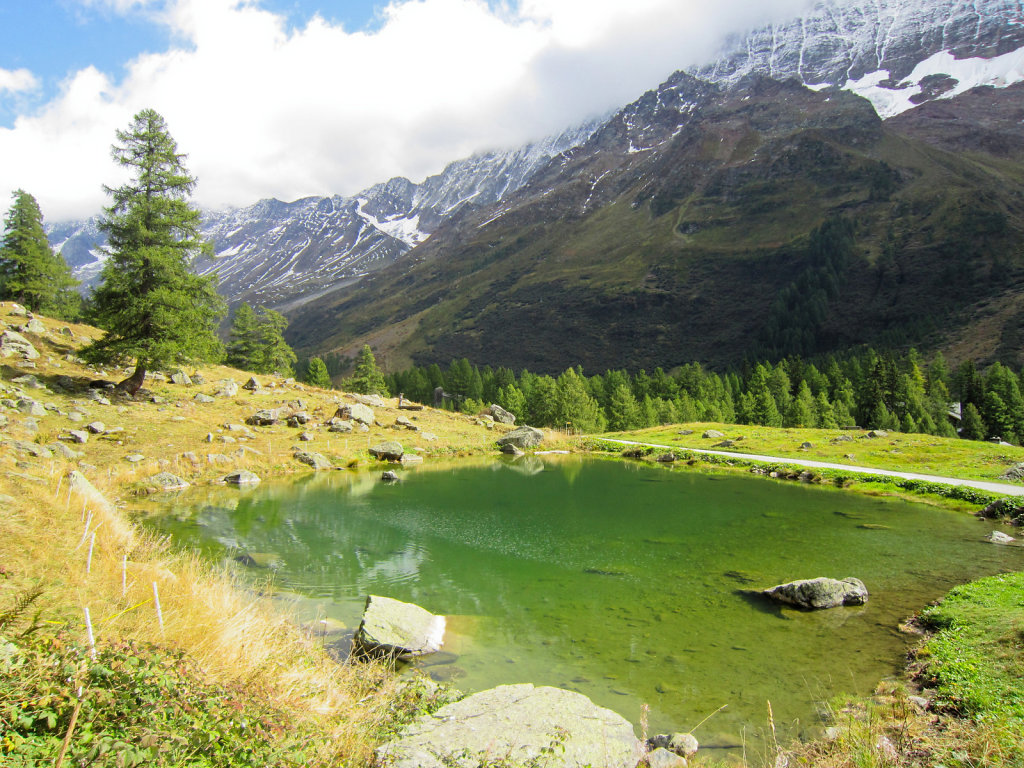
point(131, 705)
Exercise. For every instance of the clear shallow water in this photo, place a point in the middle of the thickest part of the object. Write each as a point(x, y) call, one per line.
point(617, 579)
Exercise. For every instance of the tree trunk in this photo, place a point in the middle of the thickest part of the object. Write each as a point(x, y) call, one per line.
point(133, 383)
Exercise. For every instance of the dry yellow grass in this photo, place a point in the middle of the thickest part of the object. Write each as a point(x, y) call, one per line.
point(72, 538)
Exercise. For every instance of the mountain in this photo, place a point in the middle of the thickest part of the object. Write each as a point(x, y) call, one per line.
point(851, 176)
point(731, 214)
point(278, 253)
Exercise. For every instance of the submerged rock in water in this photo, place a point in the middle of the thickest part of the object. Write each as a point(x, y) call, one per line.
point(815, 594)
point(998, 537)
point(517, 724)
point(392, 627)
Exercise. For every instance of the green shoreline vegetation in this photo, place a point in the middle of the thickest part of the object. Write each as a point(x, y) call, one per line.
point(228, 681)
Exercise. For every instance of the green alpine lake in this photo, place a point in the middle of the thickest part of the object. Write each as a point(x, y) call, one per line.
point(622, 580)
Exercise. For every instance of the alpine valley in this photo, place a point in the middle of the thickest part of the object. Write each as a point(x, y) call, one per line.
point(853, 176)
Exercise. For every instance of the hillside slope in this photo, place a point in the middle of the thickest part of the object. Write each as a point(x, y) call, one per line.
point(783, 220)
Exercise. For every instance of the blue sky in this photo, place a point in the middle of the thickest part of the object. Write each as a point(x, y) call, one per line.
point(55, 38)
point(290, 98)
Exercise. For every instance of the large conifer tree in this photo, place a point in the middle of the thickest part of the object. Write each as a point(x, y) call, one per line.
point(30, 272)
point(153, 308)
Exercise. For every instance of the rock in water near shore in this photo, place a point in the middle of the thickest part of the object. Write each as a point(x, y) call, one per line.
point(998, 537)
point(522, 438)
point(681, 744)
point(387, 451)
point(392, 627)
point(517, 724)
point(242, 477)
point(815, 594)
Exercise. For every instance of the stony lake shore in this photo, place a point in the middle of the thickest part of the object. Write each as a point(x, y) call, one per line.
point(76, 570)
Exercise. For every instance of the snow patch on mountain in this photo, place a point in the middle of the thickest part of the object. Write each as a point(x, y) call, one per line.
point(954, 76)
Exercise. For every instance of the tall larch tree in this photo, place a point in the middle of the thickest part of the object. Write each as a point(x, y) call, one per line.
point(152, 307)
point(30, 272)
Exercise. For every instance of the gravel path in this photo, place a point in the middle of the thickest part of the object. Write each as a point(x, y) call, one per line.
point(984, 485)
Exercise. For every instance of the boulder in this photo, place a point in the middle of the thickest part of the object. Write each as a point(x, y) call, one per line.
point(358, 412)
point(28, 380)
point(387, 451)
point(500, 415)
point(815, 594)
point(316, 460)
point(306, 437)
point(681, 744)
point(411, 458)
point(251, 385)
point(298, 419)
point(15, 345)
point(96, 427)
point(522, 438)
point(165, 481)
point(201, 398)
point(265, 417)
point(227, 388)
point(724, 444)
point(428, 436)
point(390, 476)
point(340, 425)
point(17, 310)
point(998, 537)
point(1016, 472)
point(663, 758)
point(31, 407)
point(511, 450)
point(35, 325)
point(1006, 507)
point(79, 436)
point(242, 477)
point(713, 433)
point(403, 422)
point(517, 725)
point(374, 401)
point(181, 378)
point(395, 628)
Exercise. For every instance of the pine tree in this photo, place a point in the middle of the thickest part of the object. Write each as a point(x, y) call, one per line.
point(971, 426)
point(151, 305)
point(316, 374)
point(243, 343)
point(801, 409)
point(30, 272)
point(256, 341)
point(511, 398)
point(623, 410)
point(824, 413)
point(275, 354)
point(367, 378)
point(575, 408)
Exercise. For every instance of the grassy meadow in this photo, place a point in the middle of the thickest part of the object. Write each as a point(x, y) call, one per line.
point(116, 649)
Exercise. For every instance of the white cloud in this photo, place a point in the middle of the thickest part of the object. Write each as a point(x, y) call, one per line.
point(263, 111)
point(17, 80)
